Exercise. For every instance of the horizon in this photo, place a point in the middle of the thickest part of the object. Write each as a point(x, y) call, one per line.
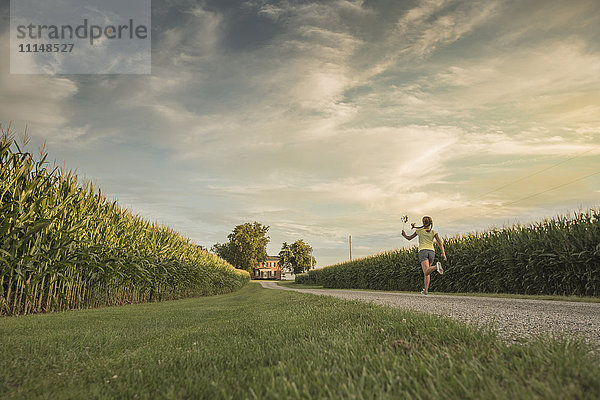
point(329, 120)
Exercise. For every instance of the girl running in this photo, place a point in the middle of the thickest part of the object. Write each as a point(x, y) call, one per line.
point(426, 235)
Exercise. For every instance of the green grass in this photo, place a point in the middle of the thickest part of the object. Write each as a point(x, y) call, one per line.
point(265, 344)
point(576, 299)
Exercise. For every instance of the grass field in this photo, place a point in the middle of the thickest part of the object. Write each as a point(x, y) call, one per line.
point(577, 299)
point(264, 344)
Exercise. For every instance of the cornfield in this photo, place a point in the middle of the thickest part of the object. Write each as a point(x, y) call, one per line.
point(558, 256)
point(63, 245)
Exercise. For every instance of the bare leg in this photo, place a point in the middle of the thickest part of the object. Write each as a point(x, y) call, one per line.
point(427, 270)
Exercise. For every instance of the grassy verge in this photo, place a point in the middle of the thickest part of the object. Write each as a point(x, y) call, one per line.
point(262, 344)
point(583, 299)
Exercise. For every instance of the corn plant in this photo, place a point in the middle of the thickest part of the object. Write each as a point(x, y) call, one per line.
point(558, 256)
point(64, 245)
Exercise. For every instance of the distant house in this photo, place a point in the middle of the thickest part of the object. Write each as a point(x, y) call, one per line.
point(270, 269)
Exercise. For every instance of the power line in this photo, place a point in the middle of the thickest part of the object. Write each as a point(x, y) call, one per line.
point(551, 189)
point(534, 174)
point(481, 196)
point(533, 195)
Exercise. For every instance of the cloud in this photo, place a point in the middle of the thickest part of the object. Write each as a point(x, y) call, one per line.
point(422, 30)
point(436, 23)
point(336, 118)
point(532, 78)
point(525, 144)
point(35, 100)
point(302, 121)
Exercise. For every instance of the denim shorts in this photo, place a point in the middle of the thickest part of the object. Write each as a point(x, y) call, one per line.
point(426, 254)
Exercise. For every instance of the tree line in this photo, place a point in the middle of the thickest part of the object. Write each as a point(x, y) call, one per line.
point(247, 244)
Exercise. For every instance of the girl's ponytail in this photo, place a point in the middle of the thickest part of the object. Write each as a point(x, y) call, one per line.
point(427, 224)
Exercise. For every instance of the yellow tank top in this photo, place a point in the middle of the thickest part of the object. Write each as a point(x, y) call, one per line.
point(425, 239)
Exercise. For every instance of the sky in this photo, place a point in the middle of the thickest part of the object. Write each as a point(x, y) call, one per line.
point(334, 118)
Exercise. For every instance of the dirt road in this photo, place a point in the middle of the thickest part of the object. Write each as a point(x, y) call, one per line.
point(514, 318)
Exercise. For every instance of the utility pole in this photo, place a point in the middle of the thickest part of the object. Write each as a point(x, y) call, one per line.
point(350, 241)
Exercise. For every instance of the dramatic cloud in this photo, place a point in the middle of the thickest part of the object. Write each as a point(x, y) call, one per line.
point(325, 119)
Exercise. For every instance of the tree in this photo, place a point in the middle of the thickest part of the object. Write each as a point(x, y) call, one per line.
point(285, 257)
point(247, 246)
point(296, 257)
point(225, 251)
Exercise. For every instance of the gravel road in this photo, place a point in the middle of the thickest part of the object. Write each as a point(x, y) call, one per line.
point(514, 318)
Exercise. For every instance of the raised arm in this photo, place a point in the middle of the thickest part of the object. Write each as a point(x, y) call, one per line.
point(441, 244)
point(411, 237)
